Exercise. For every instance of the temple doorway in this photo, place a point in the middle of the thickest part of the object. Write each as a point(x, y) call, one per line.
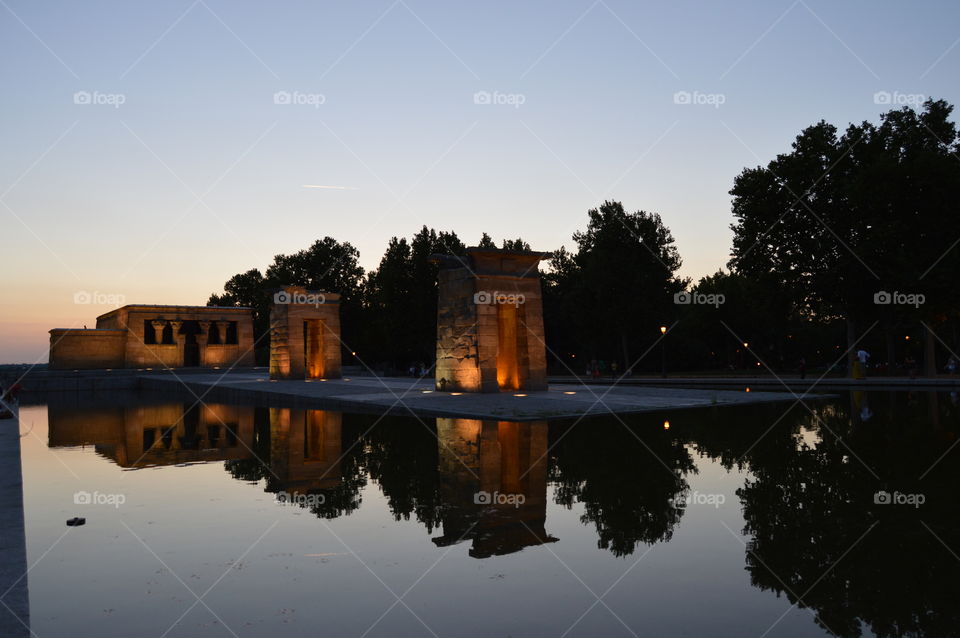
point(313, 336)
point(508, 364)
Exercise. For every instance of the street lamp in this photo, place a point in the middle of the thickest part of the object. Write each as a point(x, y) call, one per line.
point(663, 352)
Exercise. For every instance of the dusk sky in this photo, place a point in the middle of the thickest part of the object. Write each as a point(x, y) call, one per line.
point(153, 149)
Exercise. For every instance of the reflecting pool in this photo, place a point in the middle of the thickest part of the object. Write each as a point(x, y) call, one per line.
point(834, 517)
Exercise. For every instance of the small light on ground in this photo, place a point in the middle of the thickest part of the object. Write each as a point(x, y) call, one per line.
point(426, 391)
point(455, 394)
point(520, 394)
point(569, 392)
point(666, 425)
point(747, 390)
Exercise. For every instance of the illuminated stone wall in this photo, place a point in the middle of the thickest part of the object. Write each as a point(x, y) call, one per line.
point(490, 322)
point(158, 336)
point(304, 334)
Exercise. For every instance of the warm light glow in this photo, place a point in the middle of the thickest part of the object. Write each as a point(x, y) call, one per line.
point(508, 352)
point(747, 390)
point(746, 344)
point(758, 363)
point(666, 425)
point(354, 353)
point(519, 395)
point(907, 337)
point(663, 330)
point(570, 392)
point(455, 394)
point(426, 391)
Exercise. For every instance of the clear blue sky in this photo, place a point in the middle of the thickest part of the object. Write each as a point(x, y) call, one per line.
point(199, 173)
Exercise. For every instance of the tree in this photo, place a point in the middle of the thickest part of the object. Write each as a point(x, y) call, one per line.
point(621, 280)
point(326, 265)
point(401, 298)
point(840, 219)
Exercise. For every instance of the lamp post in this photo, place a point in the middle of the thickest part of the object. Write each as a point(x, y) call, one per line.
point(663, 352)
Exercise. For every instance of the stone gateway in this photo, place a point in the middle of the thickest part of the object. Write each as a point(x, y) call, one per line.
point(490, 322)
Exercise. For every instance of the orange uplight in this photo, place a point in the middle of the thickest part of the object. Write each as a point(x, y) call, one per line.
point(747, 390)
point(663, 330)
point(666, 425)
point(570, 392)
point(519, 395)
point(455, 394)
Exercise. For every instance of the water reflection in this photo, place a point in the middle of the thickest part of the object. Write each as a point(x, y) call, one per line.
point(493, 485)
point(819, 530)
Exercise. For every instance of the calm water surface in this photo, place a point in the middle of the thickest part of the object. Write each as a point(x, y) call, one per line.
point(227, 520)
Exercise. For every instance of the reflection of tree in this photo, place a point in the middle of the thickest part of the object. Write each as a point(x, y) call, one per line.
point(808, 511)
point(402, 458)
point(628, 494)
point(336, 485)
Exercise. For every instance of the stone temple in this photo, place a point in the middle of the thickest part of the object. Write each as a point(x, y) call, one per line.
point(304, 334)
point(490, 322)
point(146, 336)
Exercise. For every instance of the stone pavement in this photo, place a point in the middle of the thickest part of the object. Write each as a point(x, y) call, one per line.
point(14, 598)
point(400, 395)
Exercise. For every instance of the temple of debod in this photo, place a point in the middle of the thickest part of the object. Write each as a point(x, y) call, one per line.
point(146, 336)
point(489, 330)
point(490, 347)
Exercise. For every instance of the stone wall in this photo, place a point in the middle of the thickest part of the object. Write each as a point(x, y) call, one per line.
point(302, 323)
point(83, 349)
point(490, 322)
point(130, 337)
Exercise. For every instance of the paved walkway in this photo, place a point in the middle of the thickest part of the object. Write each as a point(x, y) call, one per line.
point(405, 396)
point(15, 607)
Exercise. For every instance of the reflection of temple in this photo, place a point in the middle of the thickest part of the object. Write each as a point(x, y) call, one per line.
point(303, 452)
point(305, 449)
point(486, 468)
point(160, 434)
